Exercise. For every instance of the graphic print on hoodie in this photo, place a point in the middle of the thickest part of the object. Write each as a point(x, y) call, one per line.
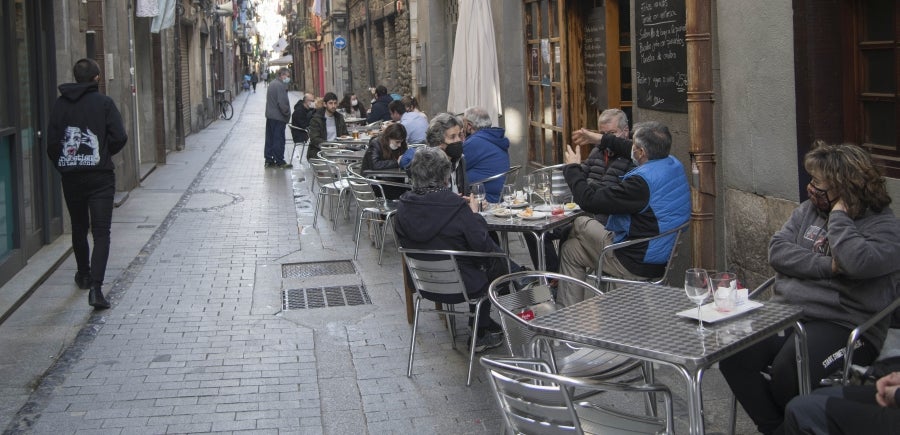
point(79, 148)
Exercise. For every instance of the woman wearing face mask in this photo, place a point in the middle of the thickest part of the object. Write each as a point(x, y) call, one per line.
point(352, 107)
point(837, 258)
point(384, 152)
point(445, 131)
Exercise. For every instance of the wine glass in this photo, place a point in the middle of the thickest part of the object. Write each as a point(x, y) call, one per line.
point(528, 186)
point(509, 195)
point(696, 286)
point(539, 183)
point(478, 193)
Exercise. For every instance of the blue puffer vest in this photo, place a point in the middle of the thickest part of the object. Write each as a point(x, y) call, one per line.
point(670, 205)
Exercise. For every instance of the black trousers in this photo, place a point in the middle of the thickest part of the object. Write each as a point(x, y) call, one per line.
point(765, 400)
point(89, 198)
point(841, 410)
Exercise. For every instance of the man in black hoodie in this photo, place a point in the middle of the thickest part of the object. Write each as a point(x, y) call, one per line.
point(85, 131)
point(380, 110)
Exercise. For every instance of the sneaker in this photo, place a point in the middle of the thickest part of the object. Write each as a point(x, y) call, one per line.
point(284, 165)
point(270, 164)
point(489, 340)
point(83, 280)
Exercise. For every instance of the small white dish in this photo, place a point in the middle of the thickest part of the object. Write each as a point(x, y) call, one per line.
point(515, 205)
point(543, 207)
point(534, 215)
point(709, 313)
point(502, 212)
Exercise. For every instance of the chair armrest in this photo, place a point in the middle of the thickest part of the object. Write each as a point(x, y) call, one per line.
point(676, 231)
point(762, 287)
point(858, 332)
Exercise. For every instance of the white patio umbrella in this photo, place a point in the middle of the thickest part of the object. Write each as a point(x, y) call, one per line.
point(474, 80)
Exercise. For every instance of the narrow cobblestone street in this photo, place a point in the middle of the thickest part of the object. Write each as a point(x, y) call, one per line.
point(198, 339)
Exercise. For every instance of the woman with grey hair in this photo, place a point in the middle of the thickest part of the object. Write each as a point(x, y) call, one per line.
point(431, 216)
point(445, 132)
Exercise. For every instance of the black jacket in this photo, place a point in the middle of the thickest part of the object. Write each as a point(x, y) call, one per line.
point(300, 118)
point(380, 111)
point(85, 130)
point(318, 130)
point(443, 220)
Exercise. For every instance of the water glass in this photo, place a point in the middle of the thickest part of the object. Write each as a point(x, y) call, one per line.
point(478, 193)
point(725, 287)
point(509, 195)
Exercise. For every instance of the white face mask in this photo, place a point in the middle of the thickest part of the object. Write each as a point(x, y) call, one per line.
point(312, 105)
point(394, 146)
point(287, 80)
point(633, 158)
point(354, 102)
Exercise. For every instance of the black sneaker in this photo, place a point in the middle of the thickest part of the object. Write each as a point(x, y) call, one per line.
point(284, 165)
point(270, 164)
point(83, 280)
point(489, 340)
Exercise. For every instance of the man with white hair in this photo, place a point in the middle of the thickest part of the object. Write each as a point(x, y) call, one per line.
point(486, 149)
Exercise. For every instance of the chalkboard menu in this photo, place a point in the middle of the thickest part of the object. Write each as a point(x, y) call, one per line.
point(661, 55)
point(594, 54)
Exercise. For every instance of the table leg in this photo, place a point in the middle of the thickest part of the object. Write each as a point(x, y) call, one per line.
point(802, 358)
point(542, 262)
point(695, 399)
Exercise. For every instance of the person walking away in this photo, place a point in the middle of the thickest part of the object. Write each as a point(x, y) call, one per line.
point(84, 132)
point(278, 113)
point(254, 79)
point(265, 77)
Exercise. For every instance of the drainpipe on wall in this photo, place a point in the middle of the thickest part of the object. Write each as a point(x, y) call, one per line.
point(179, 106)
point(370, 61)
point(134, 98)
point(698, 38)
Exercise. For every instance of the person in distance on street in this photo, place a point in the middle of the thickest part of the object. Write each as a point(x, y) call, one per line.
point(278, 113)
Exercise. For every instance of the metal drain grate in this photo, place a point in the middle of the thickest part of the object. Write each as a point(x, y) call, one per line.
point(324, 297)
point(320, 268)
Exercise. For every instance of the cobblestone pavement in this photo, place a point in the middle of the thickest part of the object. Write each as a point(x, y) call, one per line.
point(198, 339)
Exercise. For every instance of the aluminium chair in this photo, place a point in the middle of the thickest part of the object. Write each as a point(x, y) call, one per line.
point(603, 280)
point(535, 401)
point(564, 357)
point(509, 176)
point(436, 272)
point(302, 144)
point(373, 209)
point(331, 184)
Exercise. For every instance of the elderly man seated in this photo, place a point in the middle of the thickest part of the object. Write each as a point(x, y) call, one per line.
point(431, 216)
point(648, 200)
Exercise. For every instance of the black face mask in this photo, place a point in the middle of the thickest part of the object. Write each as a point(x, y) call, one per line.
point(454, 151)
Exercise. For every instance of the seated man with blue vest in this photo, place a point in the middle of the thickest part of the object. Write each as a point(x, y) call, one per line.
point(650, 199)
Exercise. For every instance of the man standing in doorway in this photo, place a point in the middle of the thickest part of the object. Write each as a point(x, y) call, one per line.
point(84, 132)
point(278, 113)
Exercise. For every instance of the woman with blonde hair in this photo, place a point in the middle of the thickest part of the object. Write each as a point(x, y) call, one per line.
point(836, 257)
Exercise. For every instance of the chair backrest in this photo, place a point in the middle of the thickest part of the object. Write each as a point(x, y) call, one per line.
point(675, 233)
point(437, 271)
point(536, 298)
point(363, 193)
point(531, 402)
point(558, 187)
point(509, 176)
point(536, 401)
point(323, 171)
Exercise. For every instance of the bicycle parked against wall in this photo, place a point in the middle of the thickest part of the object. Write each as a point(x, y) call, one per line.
point(223, 99)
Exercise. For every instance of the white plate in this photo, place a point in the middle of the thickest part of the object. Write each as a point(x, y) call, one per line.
point(534, 215)
point(574, 207)
point(514, 205)
point(709, 313)
point(501, 212)
point(543, 208)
